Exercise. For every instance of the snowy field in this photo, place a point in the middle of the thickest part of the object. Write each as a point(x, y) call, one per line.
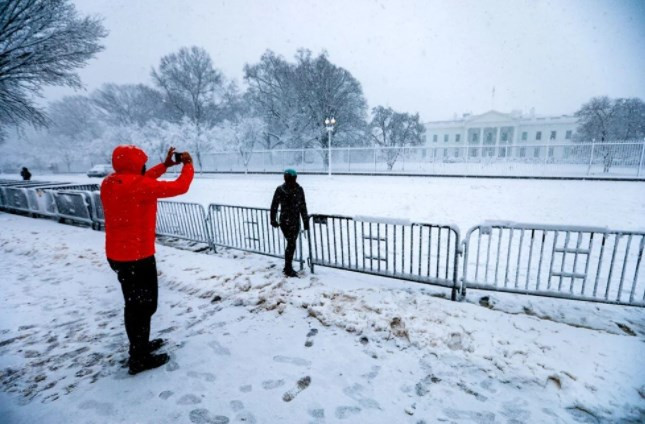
point(462, 201)
point(249, 346)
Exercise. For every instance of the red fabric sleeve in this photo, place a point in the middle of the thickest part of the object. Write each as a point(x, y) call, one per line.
point(155, 189)
point(156, 171)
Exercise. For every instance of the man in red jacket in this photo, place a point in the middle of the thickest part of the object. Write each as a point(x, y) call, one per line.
point(129, 198)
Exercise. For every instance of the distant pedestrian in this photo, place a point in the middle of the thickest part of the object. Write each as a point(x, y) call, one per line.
point(129, 198)
point(290, 198)
point(25, 174)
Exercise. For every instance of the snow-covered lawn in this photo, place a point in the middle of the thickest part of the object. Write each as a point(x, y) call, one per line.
point(249, 346)
point(462, 201)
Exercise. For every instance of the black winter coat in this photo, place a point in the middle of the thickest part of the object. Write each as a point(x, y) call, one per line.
point(291, 200)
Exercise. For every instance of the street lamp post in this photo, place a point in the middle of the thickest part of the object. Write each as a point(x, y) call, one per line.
point(329, 125)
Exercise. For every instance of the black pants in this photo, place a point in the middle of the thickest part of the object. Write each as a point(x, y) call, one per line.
point(139, 285)
point(291, 234)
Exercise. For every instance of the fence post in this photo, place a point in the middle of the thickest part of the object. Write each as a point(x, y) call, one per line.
point(640, 162)
point(302, 254)
point(374, 157)
point(308, 234)
point(593, 146)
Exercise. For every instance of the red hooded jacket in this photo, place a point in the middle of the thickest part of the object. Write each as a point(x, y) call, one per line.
point(130, 203)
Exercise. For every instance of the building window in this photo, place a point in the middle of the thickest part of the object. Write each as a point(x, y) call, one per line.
point(522, 151)
point(457, 137)
point(504, 136)
point(445, 153)
point(550, 152)
point(489, 137)
point(538, 135)
point(434, 138)
point(553, 135)
point(567, 152)
point(475, 137)
point(445, 138)
point(536, 152)
point(525, 136)
point(568, 135)
point(456, 153)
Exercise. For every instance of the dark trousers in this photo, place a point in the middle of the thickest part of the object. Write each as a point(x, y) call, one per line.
point(139, 286)
point(291, 234)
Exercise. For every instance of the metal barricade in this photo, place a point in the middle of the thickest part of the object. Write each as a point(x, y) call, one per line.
point(15, 199)
point(42, 202)
point(572, 262)
point(420, 252)
point(98, 215)
point(73, 206)
point(249, 229)
point(184, 221)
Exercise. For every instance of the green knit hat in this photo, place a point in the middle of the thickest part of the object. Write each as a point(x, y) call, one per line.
point(290, 171)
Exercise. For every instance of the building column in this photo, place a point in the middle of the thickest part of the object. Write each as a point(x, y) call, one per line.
point(465, 140)
point(516, 130)
point(481, 141)
point(496, 152)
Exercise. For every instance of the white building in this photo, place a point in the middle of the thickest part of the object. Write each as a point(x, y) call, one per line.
point(510, 134)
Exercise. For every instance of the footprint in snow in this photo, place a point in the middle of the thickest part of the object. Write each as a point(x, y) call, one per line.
point(189, 399)
point(204, 416)
point(302, 384)
point(343, 412)
point(165, 394)
point(310, 342)
point(291, 360)
point(272, 384)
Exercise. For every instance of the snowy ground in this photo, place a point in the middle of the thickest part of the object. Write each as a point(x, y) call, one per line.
point(462, 201)
point(249, 346)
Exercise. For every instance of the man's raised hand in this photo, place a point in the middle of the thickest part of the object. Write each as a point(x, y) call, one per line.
point(169, 161)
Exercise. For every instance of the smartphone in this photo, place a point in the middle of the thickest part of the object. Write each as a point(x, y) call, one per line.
point(178, 156)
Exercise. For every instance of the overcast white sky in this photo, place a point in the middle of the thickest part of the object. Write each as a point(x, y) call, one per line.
point(432, 57)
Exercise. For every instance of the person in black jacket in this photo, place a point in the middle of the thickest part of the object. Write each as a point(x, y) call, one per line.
point(290, 197)
point(25, 174)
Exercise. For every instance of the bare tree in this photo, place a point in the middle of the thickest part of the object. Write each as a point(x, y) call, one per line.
point(74, 126)
point(606, 120)
point(325, 90)
point(193, 88)
point(295, 98)
point(42, 42)
point(394, 131)
point(129, 104)
point(272, 93)
point(247, 133)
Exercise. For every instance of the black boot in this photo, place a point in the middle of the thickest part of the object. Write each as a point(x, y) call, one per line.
point(147, 362)
point(155, 344)
point(290, 273)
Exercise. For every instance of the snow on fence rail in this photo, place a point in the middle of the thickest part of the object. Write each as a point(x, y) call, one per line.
point(249, 229)
point(573, 262)
point(420, 252)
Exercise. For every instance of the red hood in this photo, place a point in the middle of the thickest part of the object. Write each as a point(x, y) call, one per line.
point(128, 159)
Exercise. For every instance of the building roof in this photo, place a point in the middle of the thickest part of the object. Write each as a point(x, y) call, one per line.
point(493, 116)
